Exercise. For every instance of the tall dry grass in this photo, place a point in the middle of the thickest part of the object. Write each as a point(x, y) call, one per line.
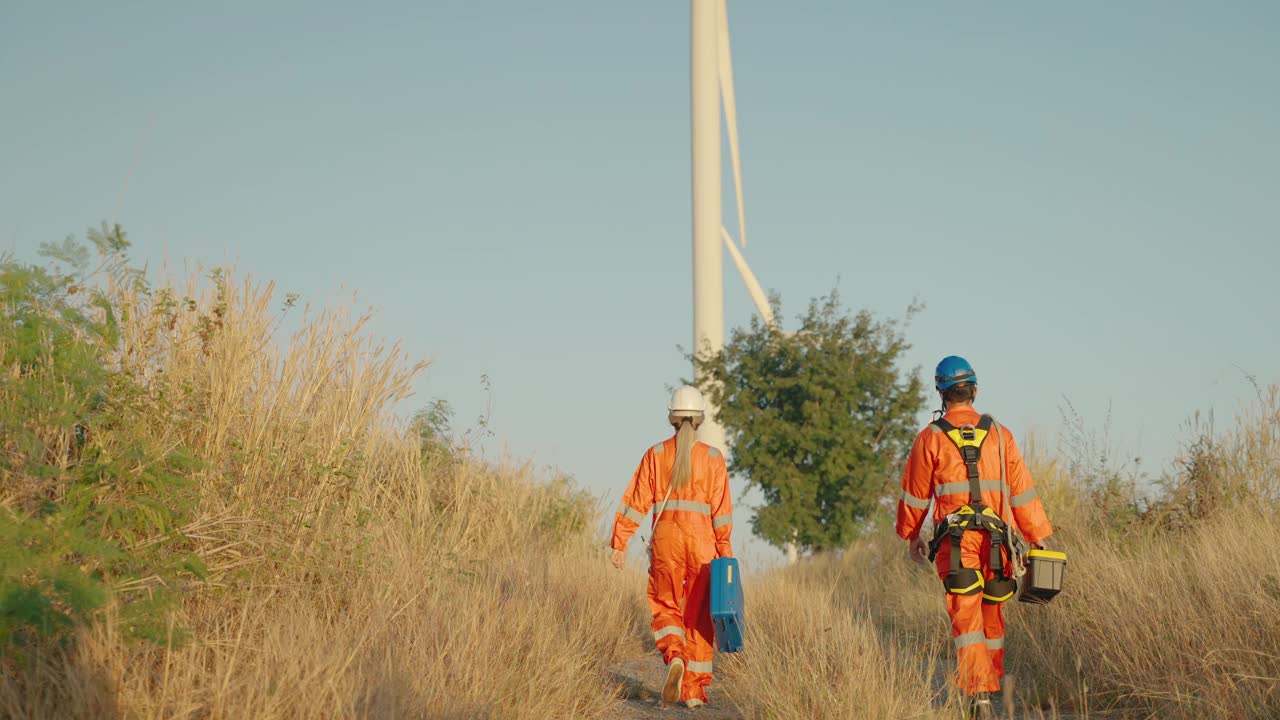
point(1177, 612)
point(1171, 607)
point(352, 571)
point(812, 655)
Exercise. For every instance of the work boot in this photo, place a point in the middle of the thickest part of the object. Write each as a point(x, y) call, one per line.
point(675, 681)
point(981, 708)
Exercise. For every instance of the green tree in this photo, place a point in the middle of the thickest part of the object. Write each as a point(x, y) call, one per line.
point(818, 419)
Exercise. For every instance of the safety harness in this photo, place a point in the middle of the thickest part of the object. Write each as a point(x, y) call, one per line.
point(976, 515)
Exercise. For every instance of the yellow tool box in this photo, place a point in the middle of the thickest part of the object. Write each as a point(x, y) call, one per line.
point(1045, 569)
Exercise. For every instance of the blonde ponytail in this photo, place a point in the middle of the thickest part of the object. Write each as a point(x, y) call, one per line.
point(686, 437)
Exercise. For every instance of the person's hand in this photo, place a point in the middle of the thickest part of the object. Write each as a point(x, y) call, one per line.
point(918, 551)
point(618, 558)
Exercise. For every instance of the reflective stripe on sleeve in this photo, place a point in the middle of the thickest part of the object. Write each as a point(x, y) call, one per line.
point(668, 630)
point(1023, 498)
point(700, 667)
point(720, 521)
point(688, 506)
point(970, 638)
point(957, 488)
point(995, 643)
point(630, 513)
point(912, 501)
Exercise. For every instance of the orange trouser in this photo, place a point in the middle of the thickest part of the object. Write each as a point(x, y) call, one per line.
point(680, 596)
point(976, 627)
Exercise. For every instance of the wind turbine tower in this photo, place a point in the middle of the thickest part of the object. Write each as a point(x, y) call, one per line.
point(710, 79)
point(708, 258)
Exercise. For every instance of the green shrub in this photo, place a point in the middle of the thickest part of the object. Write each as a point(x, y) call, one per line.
point(91, 508)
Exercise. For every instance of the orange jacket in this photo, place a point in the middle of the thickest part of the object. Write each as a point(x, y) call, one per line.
point(703, 509)
point(936, 470)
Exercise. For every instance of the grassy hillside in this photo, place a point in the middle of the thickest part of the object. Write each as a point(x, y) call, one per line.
point(206, 520)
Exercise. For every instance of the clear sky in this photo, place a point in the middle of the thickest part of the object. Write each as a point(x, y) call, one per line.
point(1085, 195)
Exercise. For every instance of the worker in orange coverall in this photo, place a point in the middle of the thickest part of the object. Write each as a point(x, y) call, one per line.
point(685, 483)
point(937, 470)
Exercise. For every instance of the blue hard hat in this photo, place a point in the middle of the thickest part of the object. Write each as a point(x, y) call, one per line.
point(952, 371)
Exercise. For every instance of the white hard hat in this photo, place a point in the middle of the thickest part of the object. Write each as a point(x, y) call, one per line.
point(687, 399)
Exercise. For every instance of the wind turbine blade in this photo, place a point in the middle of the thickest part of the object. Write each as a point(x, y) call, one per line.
point(749, 278)
point(731, 116)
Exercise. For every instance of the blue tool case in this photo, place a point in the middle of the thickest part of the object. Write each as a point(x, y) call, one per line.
point(726, 604)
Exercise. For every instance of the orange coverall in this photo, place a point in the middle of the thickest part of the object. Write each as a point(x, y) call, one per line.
point(936, 470)
point(693, 530)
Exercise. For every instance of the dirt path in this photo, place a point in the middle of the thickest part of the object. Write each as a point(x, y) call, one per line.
point(641, 679)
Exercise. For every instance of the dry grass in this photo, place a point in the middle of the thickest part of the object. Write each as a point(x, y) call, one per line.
point(516, 640)
point(352, 573)
point(1185, 626)
point(811, 656)
point(1173, 612)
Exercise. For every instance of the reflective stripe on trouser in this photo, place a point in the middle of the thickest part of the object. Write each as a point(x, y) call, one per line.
point(977, 628)
point(688, 634)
